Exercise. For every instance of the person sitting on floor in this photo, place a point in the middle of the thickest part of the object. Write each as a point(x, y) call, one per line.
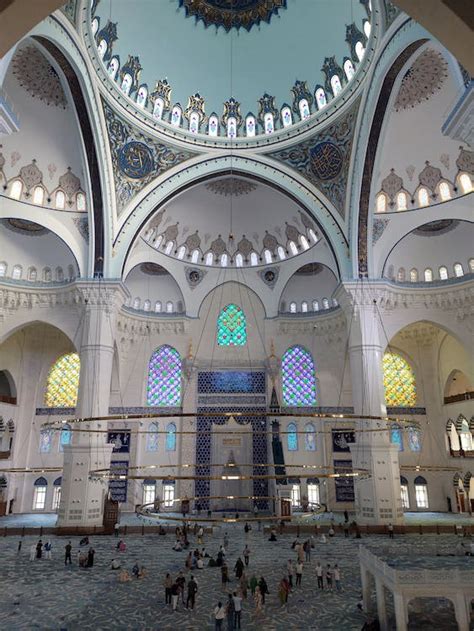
point(115, 565)
point(177, 546)
point(124, 576)
point(84, 541)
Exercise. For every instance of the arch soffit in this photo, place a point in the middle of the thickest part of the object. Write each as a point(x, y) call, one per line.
point(67, 326)
point(293, 273)
point(449, 379)
point(405, 318)
point(191, 175)
point(250, 296)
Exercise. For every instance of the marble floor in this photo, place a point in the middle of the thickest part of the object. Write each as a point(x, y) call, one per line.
point(48, 595)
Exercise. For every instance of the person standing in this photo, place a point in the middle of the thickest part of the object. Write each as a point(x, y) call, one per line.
point(90, 557)
point(67, 555)
point(307, 550)
point(39, 549)
point(246, 554)
point(329, 575)
point(117, 529)
point(219, 615)
point(224, 576)
point(283, 591)
point(319, 575)
point(390, 530)
point(181, 581)
point(229, 611)
point(167, 584)
point(47, 550)
point(239, 568)
point(237, 610)
point(258, 601)
point(291, 570)
point(226, 541)
point(337, 578)
point(174, 595)
point(20, 543)
point(200, 535)
point(262, 584)
point(192, 590)
point(243, 585)
point(33, 552)
point(299, 573)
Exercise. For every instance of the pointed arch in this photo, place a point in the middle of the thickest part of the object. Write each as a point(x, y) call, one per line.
point(292, 437)
point(309, 437)
point(298, 378)
point(152, 438)
point(399, 381)
point(62, 383)
point(65, 436)
point(171, 437)
point(231, 326)
point(164, 377)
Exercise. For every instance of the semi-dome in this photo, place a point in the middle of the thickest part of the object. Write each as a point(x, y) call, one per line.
point(231, 69)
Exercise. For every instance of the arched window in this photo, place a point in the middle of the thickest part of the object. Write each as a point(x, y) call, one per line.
point(113, 68)
point(38, 195)
point(286, 117)
point(102, 48)
point(39, 494)
point(367, 28)
point(336, 84)
point(136, 303)
point(444, 191)
point(465, 436)
point(250, 126)
point(171, 437)
point(413, 275)
point(404, 493)
point(147, 305)
point(298, 378)
point(231, 127)
point(359, 50)
point(423, 198)
point(325, 303)
point(253, 258)
point(304, 307)
point(269, 123)
point(70, 272)
point(209, 258)
point(158, 108)
point(443, 273)
point(195, 256)
point(224, 259)
point(239, 260)
point(169, 247)
point(292, 437)
point(349, 69)
point(213, 127)
point(381, 203)
point(149, 491)
point(458, 270)
point(65, 436)
point(304, 242)
point(60, 200)
point(401, 277)
point(321, 100)
point(152, 438)
point(267, 255)
point(293, 248)
point(47, 275)
point(80, 202)
point(59, 274)
point(303, 107)
point(309, 437)
point(402, 201)
point(396, 436)
point(181, 252)
point(168, 494)
point(95, 26)
point(398, 381)
point(126, 84)
point(313, 235)
point(32, 274)
point(313, 492)
point(281, 253)
point(158, 306)
point(194, 122)
point(142, 96)
point(464, 180)
point(315, 305)
point(169, 307)
point(164, 377)
point(176, 114)
point(421, 492)
point(17, 272)
point(56, 493)
point(16, 189)
point(292, 307)
point(296, 494)
point(3, 269)
point(471, 266)
point(231, 327)
point(62, 383)
point(428, 275)
point(46, 441)
point(335, 303)
point(414, 439)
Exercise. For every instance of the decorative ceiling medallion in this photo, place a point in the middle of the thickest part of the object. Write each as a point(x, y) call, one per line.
point(422, 80)
point(326, 160)
point(135, 160)
point(435, 228)
point(24, 227)
point(231, 187)
point(232, 13)
point(36, 75)
point(152, 269)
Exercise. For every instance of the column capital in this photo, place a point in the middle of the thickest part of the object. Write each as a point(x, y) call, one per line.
point(100, 293)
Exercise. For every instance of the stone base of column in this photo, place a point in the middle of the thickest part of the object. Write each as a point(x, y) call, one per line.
point(378, 498)
point(82, 499)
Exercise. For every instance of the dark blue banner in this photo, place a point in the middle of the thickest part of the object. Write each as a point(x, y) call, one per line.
point(341, 440)
point(118, 488)
point(120, 440)
point(344, 486)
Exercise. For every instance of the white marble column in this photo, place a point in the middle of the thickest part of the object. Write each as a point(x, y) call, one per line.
point(82, 500)
point(377, 498)
point(461, 609)
point(401, 612)
point(381, 605)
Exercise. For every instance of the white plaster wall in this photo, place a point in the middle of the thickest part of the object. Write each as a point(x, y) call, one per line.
point(309, 288)
point(153, 288)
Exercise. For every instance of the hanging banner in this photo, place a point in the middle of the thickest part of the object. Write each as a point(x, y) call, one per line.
point(118, 488)
point(342, 439)
point(344, 486)
point(120, 440)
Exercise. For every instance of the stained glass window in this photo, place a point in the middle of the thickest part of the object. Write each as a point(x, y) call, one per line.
point(164, 377)
point(398, 381)
point(46, 439)
point(231, 327)
point(62, 383)
point(309, 437)
point(152, 438)
point(66, 436)
point(171, 437)
point(292, 437)
point(396, 437)
point(414, 439)
point(298, 380)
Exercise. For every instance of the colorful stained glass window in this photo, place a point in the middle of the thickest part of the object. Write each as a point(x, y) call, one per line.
point(62, 383)
point(398, 381)
point(152, 438)
point(231, 327)
point(310, 437)
point(298, 380)
point(396, 437)
point(171, 437)
point(292, 437)
point(66, 436)
point(414, 439)
point(164, 377)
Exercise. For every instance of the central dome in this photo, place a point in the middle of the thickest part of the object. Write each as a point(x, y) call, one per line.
point(283, 58)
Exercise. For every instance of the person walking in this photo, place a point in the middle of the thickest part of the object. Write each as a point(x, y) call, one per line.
point(246, 554)
point(319, 575)
point(258, 601)
point(174, 595)
point(329, 575)
point(192, 590)
point(239, 568)
point(167, 584)
point(229, 612)
point(337, 578)
point(219, 615)
point(20, 543)
point(39, 549)
point(67, 555)
point(237, 610)
point(262, 583)
point(47, 550)
point(116, 529)
point(290, 570)
point(299, 573)
point(90, 557)
point(283, 591)
point(224, 576)
point(253, 583)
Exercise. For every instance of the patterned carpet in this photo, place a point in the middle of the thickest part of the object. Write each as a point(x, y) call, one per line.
point(47, 595)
